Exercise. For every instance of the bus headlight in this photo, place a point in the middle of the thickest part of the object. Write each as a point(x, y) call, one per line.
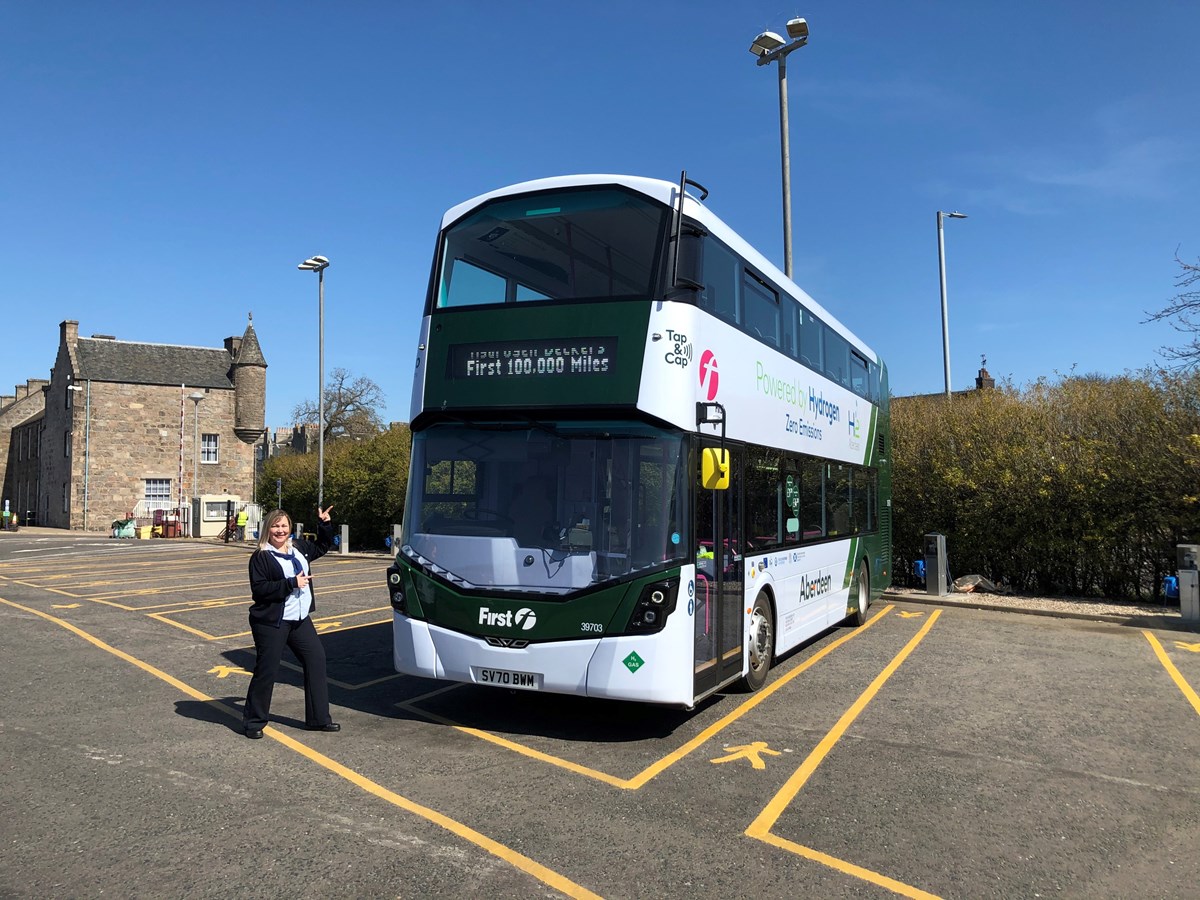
point(396, 589)
point(655, 604)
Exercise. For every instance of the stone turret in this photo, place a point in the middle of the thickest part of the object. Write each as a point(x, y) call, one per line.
point(249, 385)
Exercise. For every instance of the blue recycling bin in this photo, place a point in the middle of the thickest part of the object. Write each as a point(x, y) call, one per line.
point(1171, 587)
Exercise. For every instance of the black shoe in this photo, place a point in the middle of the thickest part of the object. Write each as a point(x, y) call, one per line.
point(331, 726)
point(255, 734)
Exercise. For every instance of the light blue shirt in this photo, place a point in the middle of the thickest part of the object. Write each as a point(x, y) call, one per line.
point(298, 604)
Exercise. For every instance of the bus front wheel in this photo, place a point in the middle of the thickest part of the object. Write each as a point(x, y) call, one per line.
point(864, 594)
point(762, 643)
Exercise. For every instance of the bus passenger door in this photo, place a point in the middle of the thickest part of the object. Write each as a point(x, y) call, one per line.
point(719, 619)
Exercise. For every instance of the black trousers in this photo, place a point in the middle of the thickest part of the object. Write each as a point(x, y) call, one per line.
point(303, 640)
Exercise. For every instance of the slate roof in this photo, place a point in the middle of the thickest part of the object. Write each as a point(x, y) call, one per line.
point(133, 363)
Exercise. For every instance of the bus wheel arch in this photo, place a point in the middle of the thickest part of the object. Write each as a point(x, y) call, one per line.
point(862, 579)
point(762, 640)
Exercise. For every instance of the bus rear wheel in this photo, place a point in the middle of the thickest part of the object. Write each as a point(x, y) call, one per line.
point(762, 643)
point(863, 581)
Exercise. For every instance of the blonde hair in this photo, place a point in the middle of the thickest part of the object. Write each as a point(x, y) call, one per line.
point(264, 529)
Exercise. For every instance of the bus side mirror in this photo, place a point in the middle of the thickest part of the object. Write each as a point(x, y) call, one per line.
point(714, 469)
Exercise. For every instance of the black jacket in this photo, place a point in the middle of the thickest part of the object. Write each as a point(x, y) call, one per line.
point(269, 590)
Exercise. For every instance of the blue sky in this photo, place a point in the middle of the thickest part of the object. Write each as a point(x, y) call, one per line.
point(165, 166)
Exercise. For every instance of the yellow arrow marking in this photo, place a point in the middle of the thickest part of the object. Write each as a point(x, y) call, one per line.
point(325, 626)
point(751, 752)
point(226, 671)
point(65, 605)
point(1194, 648)
point(908, 615)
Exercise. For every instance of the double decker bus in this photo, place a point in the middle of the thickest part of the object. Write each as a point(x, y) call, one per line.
point(644, 462)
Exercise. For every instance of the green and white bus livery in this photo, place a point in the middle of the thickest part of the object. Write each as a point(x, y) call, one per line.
point(644, 462)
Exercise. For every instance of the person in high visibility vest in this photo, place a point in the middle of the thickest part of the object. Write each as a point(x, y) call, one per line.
point(242, 518)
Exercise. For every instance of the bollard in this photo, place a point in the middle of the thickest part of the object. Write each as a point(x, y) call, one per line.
point(344, 547)
point(396, 534)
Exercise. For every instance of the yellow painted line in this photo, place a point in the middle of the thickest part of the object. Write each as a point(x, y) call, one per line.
point(658, 767)
point(760, 828)
point(244, 634)
point(109, 599)
point(518, 860)
point(899, 887)
point(1180, 682)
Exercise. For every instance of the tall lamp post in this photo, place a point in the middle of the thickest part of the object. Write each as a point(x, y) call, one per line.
point(87, 444)
point(319, 264)
point(195, 398)
point(770, 47)
point(945, 312)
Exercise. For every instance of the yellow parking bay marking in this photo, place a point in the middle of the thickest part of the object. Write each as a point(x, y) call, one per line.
point(1180, 682)
point(235, 582)
point(654, 769)
point(323, 626)
point(109, 599)
point(518, 860)
point(1191, 648)
point(760, 828)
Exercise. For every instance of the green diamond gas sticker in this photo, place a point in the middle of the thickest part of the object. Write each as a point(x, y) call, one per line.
point(633, 662)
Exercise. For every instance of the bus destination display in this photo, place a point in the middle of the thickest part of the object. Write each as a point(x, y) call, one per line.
point(533, 359)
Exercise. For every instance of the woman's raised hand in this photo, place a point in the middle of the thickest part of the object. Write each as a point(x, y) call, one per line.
point(323, 514)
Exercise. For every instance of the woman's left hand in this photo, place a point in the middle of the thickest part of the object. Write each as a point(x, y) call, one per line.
point(323, 514)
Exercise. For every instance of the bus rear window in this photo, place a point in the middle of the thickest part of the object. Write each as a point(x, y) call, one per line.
point(564, 245)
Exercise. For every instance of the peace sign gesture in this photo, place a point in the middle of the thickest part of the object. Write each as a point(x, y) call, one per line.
point(323, 514)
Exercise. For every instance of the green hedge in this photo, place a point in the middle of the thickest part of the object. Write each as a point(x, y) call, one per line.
point(365, 480)
point(1082, 486)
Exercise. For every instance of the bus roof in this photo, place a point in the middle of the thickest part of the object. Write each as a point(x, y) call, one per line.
point(666, 193)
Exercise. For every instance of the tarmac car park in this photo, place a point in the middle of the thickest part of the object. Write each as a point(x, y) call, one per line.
point(933, 752)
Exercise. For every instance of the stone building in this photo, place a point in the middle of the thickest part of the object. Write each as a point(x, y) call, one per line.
point(128, 427)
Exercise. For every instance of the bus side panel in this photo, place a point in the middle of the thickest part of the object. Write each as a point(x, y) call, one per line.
point(418, 389)
point(809, 587)
point(413, 652)
point(670, 382)
point(653, 667)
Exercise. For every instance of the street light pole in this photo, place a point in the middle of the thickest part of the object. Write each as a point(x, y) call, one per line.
point(945, 310)
point(319, 264)
point(195, 398)
point(770, 47)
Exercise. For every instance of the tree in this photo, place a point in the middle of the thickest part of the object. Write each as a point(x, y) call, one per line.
point(365, 481)
point(1184, 309)
point(351, 407)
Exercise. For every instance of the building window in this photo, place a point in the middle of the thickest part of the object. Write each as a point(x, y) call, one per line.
point(67, 444)
point(66, 495)
point(209, 444)
point(158, 493)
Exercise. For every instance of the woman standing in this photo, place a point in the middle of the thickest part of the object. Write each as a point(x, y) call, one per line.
point(281, 588)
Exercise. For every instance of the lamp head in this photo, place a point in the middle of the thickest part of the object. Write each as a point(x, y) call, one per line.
point(766, 42)
point(956, 215)
point(797, 28)
point(314, 264)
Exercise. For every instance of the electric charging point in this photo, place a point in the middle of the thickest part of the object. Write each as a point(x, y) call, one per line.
point(1189, 582)
point(937, 570)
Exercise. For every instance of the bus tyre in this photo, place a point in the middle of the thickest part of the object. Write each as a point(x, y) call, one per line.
point(762, 643)
point(863, 582)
